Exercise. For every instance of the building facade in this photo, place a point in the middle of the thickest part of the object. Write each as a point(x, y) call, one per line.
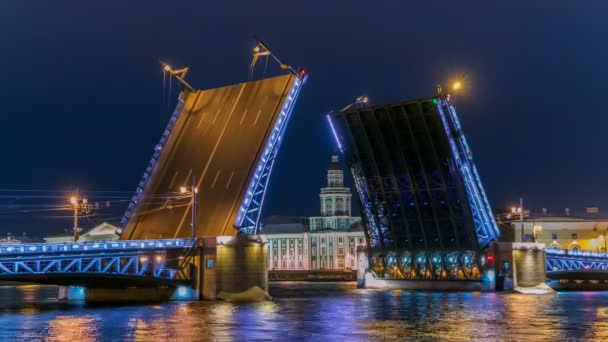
point(103, 231)
point(325, 242)
point(587, 230)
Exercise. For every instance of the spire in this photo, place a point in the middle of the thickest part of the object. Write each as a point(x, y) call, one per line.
point(335, 163)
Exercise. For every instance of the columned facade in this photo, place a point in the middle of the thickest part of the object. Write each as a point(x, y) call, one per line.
point(326, 242)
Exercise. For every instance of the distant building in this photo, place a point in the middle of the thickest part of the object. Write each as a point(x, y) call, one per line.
point(10, 238)
point(103, 231)
point(587, 230)
point(326, 242)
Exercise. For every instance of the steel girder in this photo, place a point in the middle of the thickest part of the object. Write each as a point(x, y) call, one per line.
point(565, 260)
point(248, 218)
point(141, 264)
point(139, 258)
point(485, 225)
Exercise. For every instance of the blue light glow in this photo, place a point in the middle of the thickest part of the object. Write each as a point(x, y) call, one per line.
point(248, 216)
point(333, 130)
point(182, 293)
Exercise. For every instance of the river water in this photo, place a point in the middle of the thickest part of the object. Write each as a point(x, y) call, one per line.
point(312, 311)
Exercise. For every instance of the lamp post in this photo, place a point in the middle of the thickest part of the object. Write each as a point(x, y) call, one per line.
point(520, 210)
point(536, 228)
point(80, 204)
point(193, 192)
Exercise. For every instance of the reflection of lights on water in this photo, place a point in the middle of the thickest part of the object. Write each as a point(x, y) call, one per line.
point(73, 328)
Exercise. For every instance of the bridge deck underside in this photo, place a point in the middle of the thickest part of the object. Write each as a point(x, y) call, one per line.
point(412, 195)
point(218, 138)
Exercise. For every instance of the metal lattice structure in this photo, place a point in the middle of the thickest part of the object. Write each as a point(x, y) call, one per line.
point(485, 225)
point(418, 187)
point(149, 260)
point(560, 260)
point(248, 218)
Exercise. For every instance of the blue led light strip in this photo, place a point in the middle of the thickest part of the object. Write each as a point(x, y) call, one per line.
point(248, 216)
point(485, 226)
point(333, 130)
point(157, 150)
point(92, 246)
point(368, 209)
point(559, 262)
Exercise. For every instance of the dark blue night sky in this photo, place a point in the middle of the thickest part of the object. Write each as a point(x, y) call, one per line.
point(81, 91)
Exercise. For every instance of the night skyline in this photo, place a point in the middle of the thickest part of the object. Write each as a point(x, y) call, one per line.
point(83, 101)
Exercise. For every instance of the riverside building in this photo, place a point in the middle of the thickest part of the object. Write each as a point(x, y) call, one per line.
point(325, 242)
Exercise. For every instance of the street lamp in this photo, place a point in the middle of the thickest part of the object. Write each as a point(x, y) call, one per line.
point(80, 204)
point(193, 193)
point(520, 210)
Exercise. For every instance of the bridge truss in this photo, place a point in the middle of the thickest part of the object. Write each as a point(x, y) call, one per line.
point(560, 260)
point(152, 261)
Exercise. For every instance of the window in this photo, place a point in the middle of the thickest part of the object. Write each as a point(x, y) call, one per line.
point(352, 240)
point(341, 264)
point(299, 264)
point(275, 264)
point(322, 250)
point(328, 206)
point(352, 262)
point(361, 240)
point(340, 239)
point(340, 251)
point(339, 206)
point(283, 264)
point(322, 240)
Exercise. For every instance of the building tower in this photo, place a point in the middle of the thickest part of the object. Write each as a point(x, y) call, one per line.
point(335, 201)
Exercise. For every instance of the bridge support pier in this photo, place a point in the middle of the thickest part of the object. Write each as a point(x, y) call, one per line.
point(229, 265)
point(520, 267)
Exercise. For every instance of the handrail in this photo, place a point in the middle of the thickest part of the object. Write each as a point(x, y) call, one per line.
point(90, 246)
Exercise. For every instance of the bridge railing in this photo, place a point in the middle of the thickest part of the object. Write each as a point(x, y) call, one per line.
point(575, 253)
point(92, 246)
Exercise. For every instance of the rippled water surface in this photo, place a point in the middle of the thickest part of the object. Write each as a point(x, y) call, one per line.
point(313, 311)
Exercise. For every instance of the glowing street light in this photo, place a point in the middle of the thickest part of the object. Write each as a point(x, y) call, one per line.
point(193, 193)
point(457, 85)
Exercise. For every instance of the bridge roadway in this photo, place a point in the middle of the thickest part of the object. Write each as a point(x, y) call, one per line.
point(147, 263)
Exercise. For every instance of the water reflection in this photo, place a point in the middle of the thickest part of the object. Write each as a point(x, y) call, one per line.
point(315, 311)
